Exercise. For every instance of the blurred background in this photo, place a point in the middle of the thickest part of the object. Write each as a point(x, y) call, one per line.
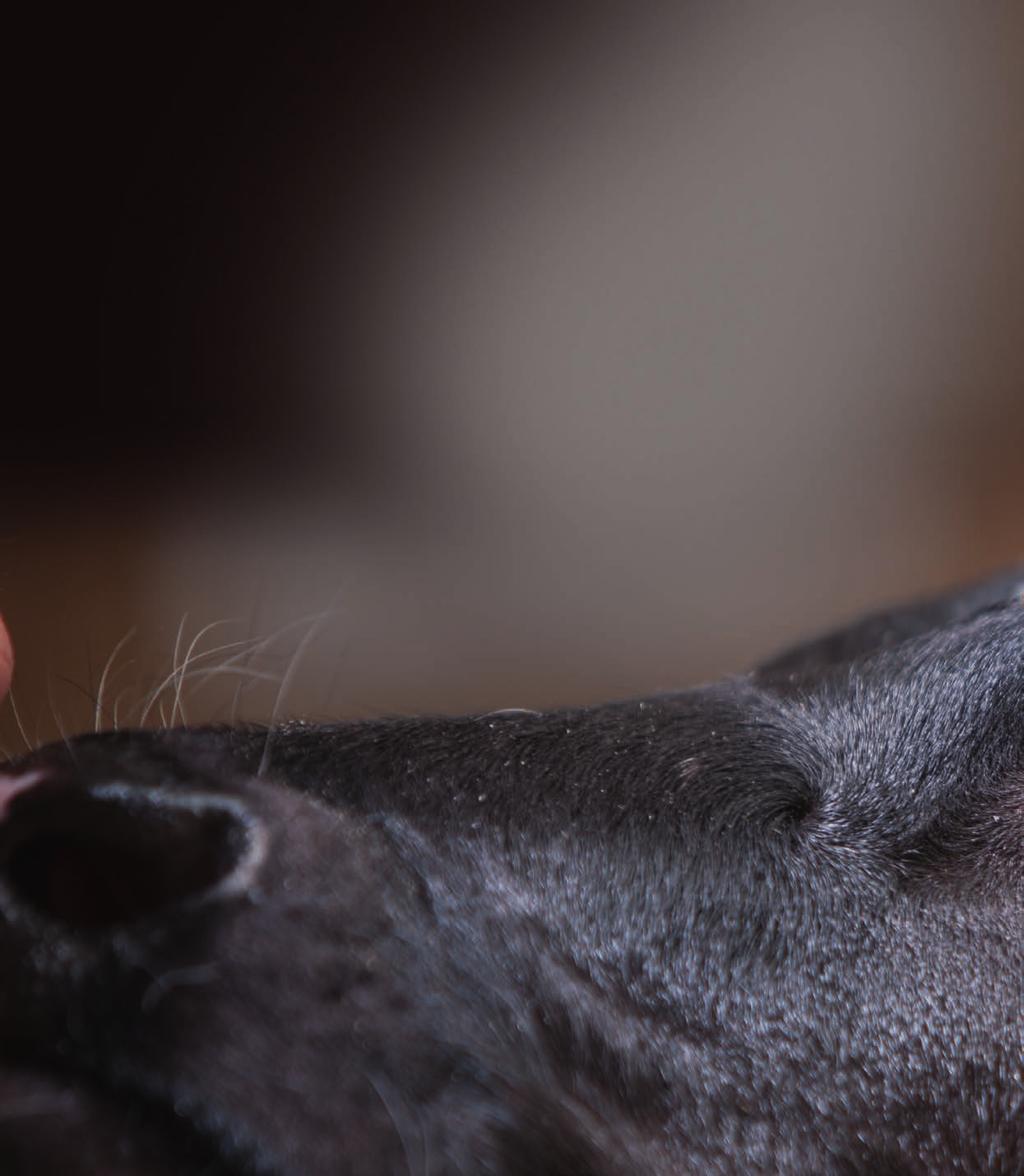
point(462, 356)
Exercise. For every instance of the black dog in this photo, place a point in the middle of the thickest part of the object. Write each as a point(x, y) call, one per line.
point(773, 925)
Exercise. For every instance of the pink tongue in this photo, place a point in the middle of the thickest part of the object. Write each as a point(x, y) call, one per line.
point(10, 786)
point(6, 659)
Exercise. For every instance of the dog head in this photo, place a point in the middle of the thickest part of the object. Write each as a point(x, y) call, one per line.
point(774, 924)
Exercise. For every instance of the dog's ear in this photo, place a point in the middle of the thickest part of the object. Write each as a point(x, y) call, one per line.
point(883, 630)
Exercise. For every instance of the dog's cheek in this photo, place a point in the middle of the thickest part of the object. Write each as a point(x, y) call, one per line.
point(49, 1124)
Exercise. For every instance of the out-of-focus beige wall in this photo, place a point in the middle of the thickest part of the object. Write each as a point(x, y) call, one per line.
point(681, 333)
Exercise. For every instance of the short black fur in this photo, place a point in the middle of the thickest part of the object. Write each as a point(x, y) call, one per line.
point(771, 925)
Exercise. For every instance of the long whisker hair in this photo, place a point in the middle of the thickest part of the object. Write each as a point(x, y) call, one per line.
point(317, 623)
point(17, 719)
point(252, 660)
point(104, 677)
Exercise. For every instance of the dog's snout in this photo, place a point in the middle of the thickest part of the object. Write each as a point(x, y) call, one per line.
point(104, 855)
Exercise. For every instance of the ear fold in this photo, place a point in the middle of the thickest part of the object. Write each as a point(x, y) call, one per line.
point(888, 628)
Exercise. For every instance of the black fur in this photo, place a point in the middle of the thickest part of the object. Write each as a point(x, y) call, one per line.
point(772, 925)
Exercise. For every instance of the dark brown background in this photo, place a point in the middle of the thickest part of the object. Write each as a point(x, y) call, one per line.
point(554, 352)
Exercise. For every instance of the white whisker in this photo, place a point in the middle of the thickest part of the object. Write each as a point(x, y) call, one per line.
point(204, 672)
point(117, 703)
point(177, 707)
point(402, 1126)
point(175, 664)
point(234, 703)
point(98, 711)
point(58, 722)
point(286, 682)
point(177, 642)
point(17, 719)
point(175, 673)
point(154, 693)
